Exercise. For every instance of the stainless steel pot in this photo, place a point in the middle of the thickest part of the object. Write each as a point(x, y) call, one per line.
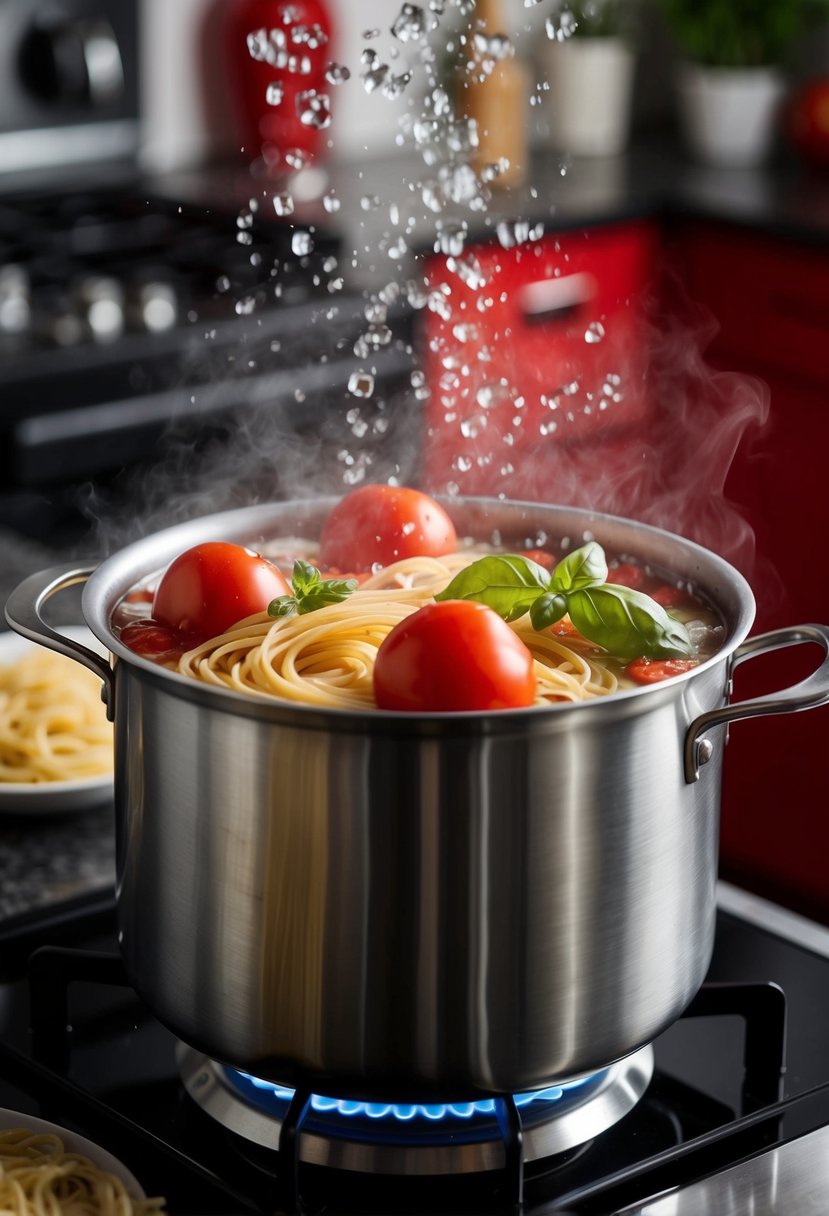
point(418, 908)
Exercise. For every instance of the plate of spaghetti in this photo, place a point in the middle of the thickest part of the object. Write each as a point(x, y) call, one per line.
point(46, 1169)
point(56, 751)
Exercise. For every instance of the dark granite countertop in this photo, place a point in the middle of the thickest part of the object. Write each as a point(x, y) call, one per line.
point(654, 179)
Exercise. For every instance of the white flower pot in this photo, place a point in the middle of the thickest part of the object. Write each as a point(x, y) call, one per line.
point(729, 115)
point(591, 86)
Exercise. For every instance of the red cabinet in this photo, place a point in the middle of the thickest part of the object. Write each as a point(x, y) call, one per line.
point(770, 297)
point(535, 363)
point(554, 378)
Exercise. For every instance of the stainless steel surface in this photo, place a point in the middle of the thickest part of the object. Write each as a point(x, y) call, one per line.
point(432, 906)
point(549, 1128)
point(68, 85)
point(808, 694)
point(790, 1180)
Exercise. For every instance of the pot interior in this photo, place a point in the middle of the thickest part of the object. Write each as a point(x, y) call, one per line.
point(507, 525)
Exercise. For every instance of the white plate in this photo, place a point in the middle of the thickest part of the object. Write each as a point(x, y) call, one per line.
point(51, 797)
point(73, 1143)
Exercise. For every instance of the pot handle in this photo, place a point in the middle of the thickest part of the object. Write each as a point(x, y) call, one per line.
point(808, 694)
point(24, 615)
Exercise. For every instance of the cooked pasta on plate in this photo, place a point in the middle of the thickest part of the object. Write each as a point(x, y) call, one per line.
point(47, 1170)
point(56, 749)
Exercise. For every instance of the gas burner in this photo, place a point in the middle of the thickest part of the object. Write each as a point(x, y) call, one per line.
point(450, 1138)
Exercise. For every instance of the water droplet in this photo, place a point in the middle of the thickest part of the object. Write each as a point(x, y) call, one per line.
point(314, 109)
point(258, 44)
point(394, 86)
point(451, 236)
point(410, 24)
point(468, 270)
point(415, 294)
point(312, 36)
point(330, 202)
point(375, 73)
point(223, 283)
point(361, 384)
point(561, 26)
point(397, 249)
point(299, 65)
point(283, 204)
point(594, 332)
point(274, 93)
point(337, 73)
point(245, 306)
point(375, 312)
point(296, 158)
point(301, 243)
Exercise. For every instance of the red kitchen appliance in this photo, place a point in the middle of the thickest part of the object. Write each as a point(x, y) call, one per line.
point(276, 54)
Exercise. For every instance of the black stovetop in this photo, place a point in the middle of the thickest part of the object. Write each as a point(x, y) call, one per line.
point(718, 1094)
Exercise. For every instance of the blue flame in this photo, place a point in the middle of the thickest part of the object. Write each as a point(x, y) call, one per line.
point(402, 1112)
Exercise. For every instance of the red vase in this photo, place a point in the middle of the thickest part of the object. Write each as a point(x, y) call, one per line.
point(276, 54)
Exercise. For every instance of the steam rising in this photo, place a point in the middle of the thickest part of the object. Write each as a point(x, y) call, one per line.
point(442, 421)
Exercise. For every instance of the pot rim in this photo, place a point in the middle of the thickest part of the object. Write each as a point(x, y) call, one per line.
point(715, 578)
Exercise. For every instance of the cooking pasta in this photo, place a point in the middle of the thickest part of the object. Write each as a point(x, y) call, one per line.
point(53, 725)
point(326, 657)
point(39, 1177)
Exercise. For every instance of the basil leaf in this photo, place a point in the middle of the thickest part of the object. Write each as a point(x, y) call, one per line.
point(330, 591)
point(584, 567)
point(304, 577)
point(311, 591)
point(627, 623)
point(283, 605)
point(505, 582)
point(547, 609)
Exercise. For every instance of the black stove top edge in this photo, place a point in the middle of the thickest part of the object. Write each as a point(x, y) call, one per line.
point(552, 1186)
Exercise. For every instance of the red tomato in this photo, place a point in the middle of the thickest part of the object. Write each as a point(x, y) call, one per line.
point(669, 596)
point(540, 557)
point(212, 586)
point(380, 524)
point(453, 655)
point(153, 641)
point(651, 671)
point(627, 575)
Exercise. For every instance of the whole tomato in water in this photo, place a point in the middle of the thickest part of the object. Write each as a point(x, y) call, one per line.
point(456, 655)
point(376, 525)
point(276, 54)
point(210, 587)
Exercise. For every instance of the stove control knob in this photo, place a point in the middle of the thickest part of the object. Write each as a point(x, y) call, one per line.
point(101, 305)
point(153, 306)
point(15, 299)
point(71, 60)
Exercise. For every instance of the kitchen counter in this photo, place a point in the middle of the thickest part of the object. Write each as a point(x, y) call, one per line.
point(653, 179)
point(47, 861)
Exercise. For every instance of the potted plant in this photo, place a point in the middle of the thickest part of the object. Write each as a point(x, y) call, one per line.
point(590, 71)
point(731, 81)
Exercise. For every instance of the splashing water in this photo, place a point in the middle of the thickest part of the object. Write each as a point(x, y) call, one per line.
point(504, 430)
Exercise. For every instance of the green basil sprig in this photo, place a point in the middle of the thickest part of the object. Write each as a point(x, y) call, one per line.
point(311, 591)
point(626, 623)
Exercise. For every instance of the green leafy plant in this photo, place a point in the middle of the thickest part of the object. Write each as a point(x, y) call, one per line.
point(740, 33)
point(311, 591)
point(627, 623)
